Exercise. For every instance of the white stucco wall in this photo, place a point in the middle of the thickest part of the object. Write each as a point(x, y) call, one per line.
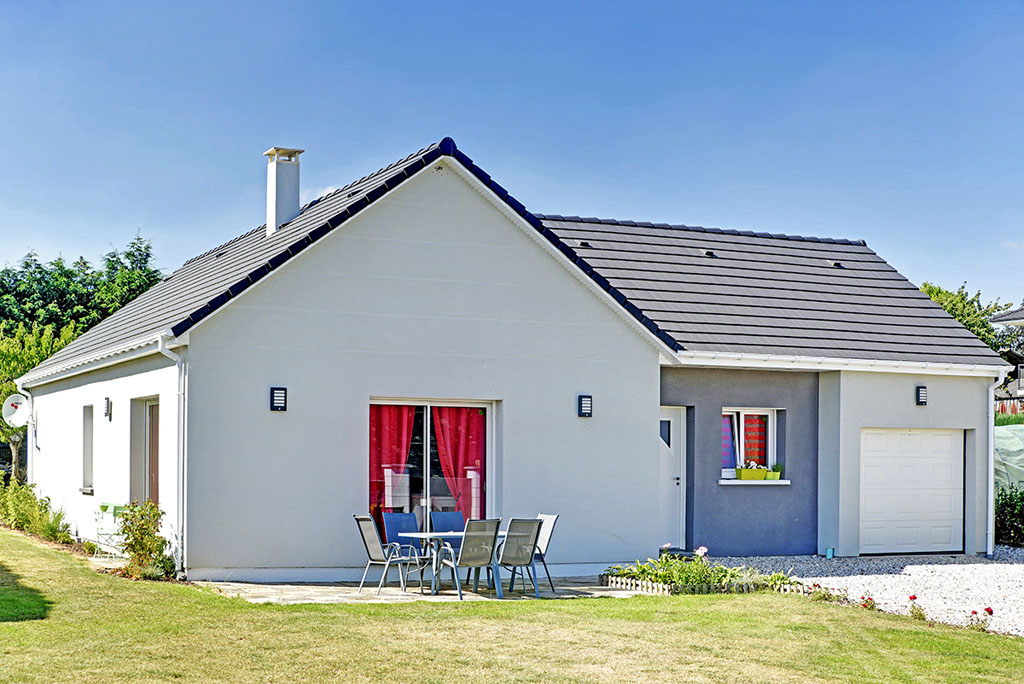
point(432, 293)
point(55, 457)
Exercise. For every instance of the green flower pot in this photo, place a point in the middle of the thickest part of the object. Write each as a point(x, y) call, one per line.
point(750, 474)
point(772, 475)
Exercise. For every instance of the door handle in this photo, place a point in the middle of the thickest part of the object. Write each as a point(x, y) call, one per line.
point(678, 481)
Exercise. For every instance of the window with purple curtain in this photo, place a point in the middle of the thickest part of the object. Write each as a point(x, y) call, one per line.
point(728, 440)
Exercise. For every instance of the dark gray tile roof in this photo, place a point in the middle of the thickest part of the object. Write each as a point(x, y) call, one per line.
point(739, 291)
point(1014, 316)
point(758, 293)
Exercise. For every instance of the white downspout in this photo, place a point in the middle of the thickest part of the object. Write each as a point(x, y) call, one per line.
point(179, 363)
point(990, 533)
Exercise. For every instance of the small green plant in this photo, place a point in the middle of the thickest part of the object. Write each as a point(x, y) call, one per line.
point(90, 548)
point(868, 603)
point(51, 526)
point(777, 468)
point(979, 622)
point(777, 580)
point(916, 611)
point(826, 594)
point(140, 526)
point(1010, 515)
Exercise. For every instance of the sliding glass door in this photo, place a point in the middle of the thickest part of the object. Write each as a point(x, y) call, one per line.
point(427, 457)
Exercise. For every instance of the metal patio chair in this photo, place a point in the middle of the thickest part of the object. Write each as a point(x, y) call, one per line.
point(380, 554)
point(397, 523)
point(546, 529)
point(519, 551)
point(476, 553)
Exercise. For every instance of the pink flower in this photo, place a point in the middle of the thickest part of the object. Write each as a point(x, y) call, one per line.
point(666, 545)
point(913, 597)
point(701, 551)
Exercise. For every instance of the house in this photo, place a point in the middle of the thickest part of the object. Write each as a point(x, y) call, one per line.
point(1010, 398)
point(419, 340)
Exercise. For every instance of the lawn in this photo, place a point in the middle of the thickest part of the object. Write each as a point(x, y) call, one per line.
point(60, 621)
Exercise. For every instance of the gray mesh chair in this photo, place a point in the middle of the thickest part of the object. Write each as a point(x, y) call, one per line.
point(476, 552)
point(386, 555)
point(519, 551)
point(547, 527)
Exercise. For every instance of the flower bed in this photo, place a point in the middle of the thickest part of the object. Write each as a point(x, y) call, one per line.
point(676, 574)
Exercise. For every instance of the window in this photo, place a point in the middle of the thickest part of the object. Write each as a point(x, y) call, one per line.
point(747, 435)
point(87, 442)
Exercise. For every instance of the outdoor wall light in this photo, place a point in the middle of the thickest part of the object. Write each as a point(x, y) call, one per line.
point(278, 398)
point(921, 395)
point(585, 406)
point(108, 409)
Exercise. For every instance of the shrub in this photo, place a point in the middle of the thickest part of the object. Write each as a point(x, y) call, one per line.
point(19, 507)
point(868, 602)
point(777, 580)
point(90, 548)
point(670, 569)
point(140, 525)
point(51, 526)
point(1010, 515)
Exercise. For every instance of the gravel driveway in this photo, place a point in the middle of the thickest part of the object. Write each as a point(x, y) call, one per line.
point(947, 587)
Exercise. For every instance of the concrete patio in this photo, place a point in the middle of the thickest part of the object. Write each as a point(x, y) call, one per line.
point(347, 592)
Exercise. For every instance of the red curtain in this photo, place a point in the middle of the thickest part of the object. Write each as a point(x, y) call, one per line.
point(390, 437)
point(755, 439)
point(462, 446)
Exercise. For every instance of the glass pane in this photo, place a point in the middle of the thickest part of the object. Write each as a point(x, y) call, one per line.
point(396, 461)
point(666, 432)
point(458, 460)
point(728, 440)
point(755, 438)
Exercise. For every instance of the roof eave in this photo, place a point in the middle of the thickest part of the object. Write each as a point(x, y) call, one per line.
point(740, 360)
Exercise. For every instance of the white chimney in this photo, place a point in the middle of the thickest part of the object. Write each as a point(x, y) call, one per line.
point(282, 186)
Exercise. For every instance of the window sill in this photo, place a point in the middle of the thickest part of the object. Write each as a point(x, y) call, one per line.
point(755, 483)
point(88, 491)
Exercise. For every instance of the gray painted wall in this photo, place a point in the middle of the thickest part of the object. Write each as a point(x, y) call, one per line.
point(851, 401)
point(754, 520)
point(430, 294)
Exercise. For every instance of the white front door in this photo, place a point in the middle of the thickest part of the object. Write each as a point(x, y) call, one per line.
point(911, 491)
point(672, 430)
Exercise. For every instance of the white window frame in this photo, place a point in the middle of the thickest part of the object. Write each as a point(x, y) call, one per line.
point(427, 404)
point(771, 438)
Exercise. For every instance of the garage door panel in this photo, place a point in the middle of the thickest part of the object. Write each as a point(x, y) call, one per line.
point(912, 494)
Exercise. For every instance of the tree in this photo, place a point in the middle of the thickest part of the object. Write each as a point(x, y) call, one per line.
point(126, 275)
point(59, 293)
point(21, 350)
point(970, 311)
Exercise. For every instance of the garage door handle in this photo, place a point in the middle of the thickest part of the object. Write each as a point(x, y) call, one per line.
point(678, 480)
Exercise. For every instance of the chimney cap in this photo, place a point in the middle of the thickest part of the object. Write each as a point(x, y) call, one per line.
point(283, 154)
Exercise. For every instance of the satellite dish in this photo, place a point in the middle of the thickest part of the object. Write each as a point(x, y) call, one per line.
point(15, 411)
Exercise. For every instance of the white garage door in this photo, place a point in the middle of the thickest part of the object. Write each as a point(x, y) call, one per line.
point(911, 491)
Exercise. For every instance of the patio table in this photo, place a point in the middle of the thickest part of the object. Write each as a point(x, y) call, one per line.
point(435, 539)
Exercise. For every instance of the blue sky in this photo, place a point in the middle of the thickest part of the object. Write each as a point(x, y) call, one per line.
point(899, 123)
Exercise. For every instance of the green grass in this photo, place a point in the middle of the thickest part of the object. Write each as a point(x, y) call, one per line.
point(60, 621)
point(1009, 419)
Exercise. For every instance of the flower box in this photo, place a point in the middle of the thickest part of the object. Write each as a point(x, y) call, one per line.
point(771, 475)
point(750, 474)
